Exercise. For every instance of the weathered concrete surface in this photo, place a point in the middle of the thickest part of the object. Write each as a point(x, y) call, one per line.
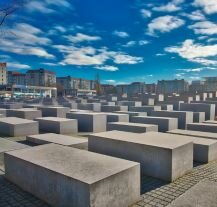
point(89, 121)
point(3, 112)
point(64, 176)
point(58, 139)
point(184, 117)
point(58, 125)
point(109, 108)
point(129, 103)
point(165, 158)
point(14, 127)
point(25, 113)
point(202, 194)
point(164, 124)
point(131, 127)
point(11, 105)
point(204, 127)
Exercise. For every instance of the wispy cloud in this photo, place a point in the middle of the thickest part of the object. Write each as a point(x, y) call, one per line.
point(204, 28)
point(146, 13)
point(79, 37)
point(121, 34)
point(172, 6)
point(107, 68)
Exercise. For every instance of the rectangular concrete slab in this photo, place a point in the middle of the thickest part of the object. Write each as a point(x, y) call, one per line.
point(89, 121)
point(196, 134)
point(199, 117)
point(205, 150)
point(14, 127)
point(204, 127)
point(164, 124)
point(25, 113)
point(184, 117)
point(147, 109)
point(58, 125)
point(115, 117)
point(203, 194)
point(131, 127)
point(65, 176)
point(54, 111)
point(165, 158)
point(58, 139)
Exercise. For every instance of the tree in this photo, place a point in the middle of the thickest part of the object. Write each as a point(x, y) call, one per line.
point(8, 8)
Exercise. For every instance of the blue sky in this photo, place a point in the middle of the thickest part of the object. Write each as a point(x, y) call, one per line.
point(122, 40)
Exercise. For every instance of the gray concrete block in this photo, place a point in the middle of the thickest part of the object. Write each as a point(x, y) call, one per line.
point(129, 103)
point(205, 150)
point(161, 157)
point(25, 113)
point(11, 105)
point(203, 127)
point(65, 176)
point(58, 139)
point(115, 117)
point(7, 145)
point(147, 109)
point(131, 113)
point(58, 125)
point(90, 106)
point(209, 109)
point(199, 117)
point(196, 134)
point(201, 195)
point(3, 112)
point(89, 121)
point(54, 111)
point(14, 127)
point(131, 127)
point(108, 108)
point(184, 117)
point(164, 124)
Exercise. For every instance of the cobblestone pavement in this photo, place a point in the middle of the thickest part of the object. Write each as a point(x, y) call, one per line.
point(155, 193)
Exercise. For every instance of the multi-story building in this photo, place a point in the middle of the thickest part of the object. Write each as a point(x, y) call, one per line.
point(197, 86)
point(136, 88)
point(210, 84)
point(69, 85)
point(151, 88)
point(172, 86)
point(16, 78)
point(108, 89)
point(3, 73)
point(122, 89)
point(41, 77)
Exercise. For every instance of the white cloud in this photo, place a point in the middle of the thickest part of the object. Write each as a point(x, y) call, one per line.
point(195, 15)
point(170, 7)
point(92, 56)
point(188, 70)
point(136, 43)
point(60, 28)
point(145, 13)
point(25, 39)
point(79, 37)
point(195, 52)
point(209, 6)
point(50, 64)
point(44, 6)
point(107, 68)
point(160, 54)
point(212, 40)
point(164, 24)
point(121, 34)
point(16, 65)
point(204, 28)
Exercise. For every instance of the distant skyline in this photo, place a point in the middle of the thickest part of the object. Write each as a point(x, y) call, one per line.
point(122, 40)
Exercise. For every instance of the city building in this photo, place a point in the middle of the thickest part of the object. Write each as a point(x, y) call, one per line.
point(3, 73)
point(70, 86)
point(210, 83)
point(172, 86)
point(108, 89)
point(41, 77)
point(16, 78)
point(136, 88)
point(197, 86)
point(122, 89)
point(151, 88)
